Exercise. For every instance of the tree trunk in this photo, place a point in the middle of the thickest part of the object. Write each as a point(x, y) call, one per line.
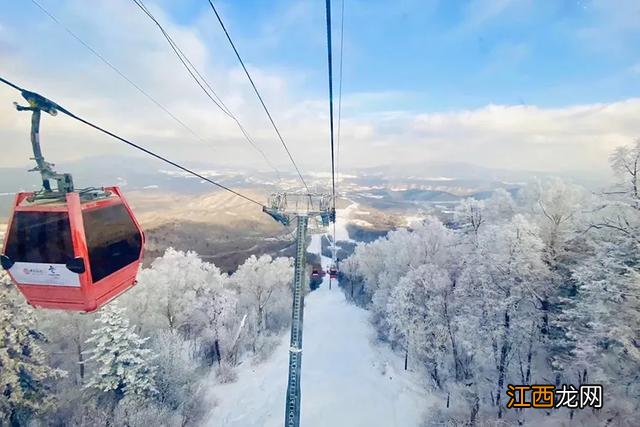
point(502, 364)
point(544, 329)
point(475, 408)
point(406, 358)
point(454, 347)
point(260, 320)
point(436, 376)
point(80, 362)
point(529, 355)
point(216, 346)
point(14, 420)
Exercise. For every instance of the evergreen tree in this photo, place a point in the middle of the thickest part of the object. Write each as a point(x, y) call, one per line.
point(123, 366)
point(25, 376)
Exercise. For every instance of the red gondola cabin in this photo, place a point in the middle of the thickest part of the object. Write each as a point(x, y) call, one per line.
point(70, 253)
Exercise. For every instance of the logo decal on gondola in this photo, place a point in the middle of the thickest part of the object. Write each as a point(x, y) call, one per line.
point(39, 271)
point(28, 271)
point(44, 274)
point(53, 273)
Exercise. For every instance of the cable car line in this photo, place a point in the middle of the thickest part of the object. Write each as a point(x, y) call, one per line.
point(331, 128)
point(339, 108)
point(329, 58)
point(340, 93)
point(120, 73)
point(202, 82)
point(182, 57)
point(255, 89)
point(134, 145)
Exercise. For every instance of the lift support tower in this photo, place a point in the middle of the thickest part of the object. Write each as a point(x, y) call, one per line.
point(284, 207)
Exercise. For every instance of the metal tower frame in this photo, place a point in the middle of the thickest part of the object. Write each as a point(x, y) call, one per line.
point(283, 207)
point(294, 398)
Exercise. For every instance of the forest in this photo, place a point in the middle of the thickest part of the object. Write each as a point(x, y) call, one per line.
point(145, 358)
point(537, 288)
point(541, 288)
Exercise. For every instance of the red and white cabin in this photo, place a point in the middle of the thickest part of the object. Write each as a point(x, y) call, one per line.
point(73, 254)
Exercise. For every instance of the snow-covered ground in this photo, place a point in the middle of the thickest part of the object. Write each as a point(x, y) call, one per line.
point(413, 220)
point(342, 219)
point(347, 378)
point(361, 223)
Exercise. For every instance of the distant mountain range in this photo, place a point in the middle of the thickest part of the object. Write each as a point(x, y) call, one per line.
point(423, 182)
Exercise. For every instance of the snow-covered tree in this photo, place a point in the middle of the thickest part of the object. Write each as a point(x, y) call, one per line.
point(382, 263)
point(513, 277)
point(557, 206)
point(625, 162)
point(500, 207)
point(549, 292)
point(216, 318)
point(470, 215)
point(263, 287)
point(168, 293)
point(25, 375)
point(67, 332)
point(419, 317)
point(620, 211)
point(603, 325)
point(122, 366)
point(182, 293)
point(177, 378)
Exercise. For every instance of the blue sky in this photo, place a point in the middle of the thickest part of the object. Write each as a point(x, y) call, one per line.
point(450, 54)
point(543, 85)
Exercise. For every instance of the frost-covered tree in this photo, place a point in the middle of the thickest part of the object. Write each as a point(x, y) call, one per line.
point(216, 318)
point(67, 332)
point(169, 291)
point(470, 215)
point(122, 366)
point(603, 324)
point(25, 375)
point(625, 162)
point(418, 310)
point(263, 287)
point(177, 378)
point(182, 293)
point(513, 278)
point(556, 206)
point(541, 289)
point(620, 211)
point(382, 263)
point(500, 207)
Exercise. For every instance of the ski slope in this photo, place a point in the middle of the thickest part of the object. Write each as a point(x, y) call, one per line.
point(347, 378)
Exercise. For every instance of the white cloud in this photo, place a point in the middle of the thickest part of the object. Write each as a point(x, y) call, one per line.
point(554, 139)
